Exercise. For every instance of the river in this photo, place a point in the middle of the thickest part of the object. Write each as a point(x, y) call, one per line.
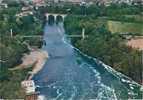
point(71, 75)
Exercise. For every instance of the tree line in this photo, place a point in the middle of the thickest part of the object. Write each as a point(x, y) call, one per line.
point(12, 48)
point(105, 46)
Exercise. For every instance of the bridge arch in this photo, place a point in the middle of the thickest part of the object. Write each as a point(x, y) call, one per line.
point(51, 19)
point(59, 18)
point(56, 17)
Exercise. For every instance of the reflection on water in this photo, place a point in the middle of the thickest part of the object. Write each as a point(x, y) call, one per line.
point(69, 74)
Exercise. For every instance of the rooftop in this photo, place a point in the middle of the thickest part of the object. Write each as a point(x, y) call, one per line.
point(136, 43)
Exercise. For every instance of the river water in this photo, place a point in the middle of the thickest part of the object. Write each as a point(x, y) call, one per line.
point(71, 75)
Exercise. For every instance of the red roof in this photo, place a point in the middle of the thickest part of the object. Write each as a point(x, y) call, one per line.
point(37, 1)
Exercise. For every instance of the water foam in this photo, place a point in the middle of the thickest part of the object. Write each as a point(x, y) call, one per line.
point(109, 91)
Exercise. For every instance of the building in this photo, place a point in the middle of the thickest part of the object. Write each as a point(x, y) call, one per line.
point(29, 86)
point(65, 1)
point(73, 1)
point(137, 2)
point(25, 13)
point(27, 8)
point(32, 97)
point(38, 2)
point(3, 5)
point(108, 2)
point(1, 1)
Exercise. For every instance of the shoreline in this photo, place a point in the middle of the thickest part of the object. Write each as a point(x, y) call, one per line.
point(109, 68)
point(42, 57)
point(35, 59)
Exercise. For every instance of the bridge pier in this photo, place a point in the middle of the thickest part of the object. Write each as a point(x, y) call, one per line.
point(83, 33)
point(55, 16)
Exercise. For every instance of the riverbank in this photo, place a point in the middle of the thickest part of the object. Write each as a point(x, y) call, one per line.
point(106, 46)
point(12, 48)
point(39, 57)
point(35, 59)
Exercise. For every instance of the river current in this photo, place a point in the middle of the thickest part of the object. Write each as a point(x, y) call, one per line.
point(71, 75)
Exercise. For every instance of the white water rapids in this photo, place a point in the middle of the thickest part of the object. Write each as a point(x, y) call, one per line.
point(71, 75)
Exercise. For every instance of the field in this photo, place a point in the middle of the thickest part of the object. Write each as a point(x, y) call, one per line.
point(138, 18)
point(123, 27)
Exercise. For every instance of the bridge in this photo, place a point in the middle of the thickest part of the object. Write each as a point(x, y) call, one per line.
point(83, 36)
point(55, 15)
point(30, 36)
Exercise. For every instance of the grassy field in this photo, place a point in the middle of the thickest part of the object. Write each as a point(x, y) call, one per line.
point(117, 26)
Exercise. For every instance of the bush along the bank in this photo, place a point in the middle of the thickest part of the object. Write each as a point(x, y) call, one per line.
point(12, 48)
point(105, 46)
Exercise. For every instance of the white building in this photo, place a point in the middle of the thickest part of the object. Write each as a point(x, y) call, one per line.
point(29, 86)
point(1, 1)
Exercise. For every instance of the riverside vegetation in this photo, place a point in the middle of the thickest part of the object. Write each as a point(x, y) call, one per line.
point(13, 48)
point(106, 44)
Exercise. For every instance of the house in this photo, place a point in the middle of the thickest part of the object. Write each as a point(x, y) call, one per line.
point(27, 8)
point(29, 86)
point(65, 1)
point(38, 2)
point(25, 13)
point(3, 5)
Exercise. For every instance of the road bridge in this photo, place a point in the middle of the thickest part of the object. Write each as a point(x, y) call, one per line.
point(55, 15)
